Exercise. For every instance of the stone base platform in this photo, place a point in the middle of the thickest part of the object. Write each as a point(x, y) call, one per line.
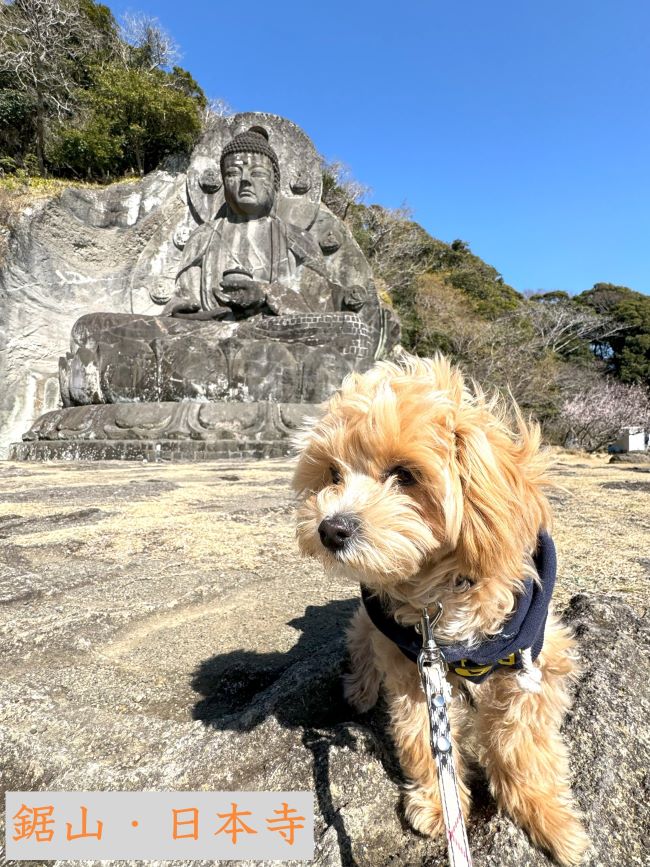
point(137, 450)
point(188, 430)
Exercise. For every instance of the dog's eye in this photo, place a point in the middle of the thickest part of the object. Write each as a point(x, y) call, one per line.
point(404, 477)
point(337, 478)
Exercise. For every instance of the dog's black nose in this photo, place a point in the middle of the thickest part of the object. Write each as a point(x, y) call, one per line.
point(334, 532)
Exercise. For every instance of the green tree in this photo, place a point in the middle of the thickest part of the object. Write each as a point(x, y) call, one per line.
point(88, 150)
point(17, 129)
point(132, 118)
point(626, 352)
point(183, 81)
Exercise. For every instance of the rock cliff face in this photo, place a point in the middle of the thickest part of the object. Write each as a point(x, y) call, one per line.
point(74, 254)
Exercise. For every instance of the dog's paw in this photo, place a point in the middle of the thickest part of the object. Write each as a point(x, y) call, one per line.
point(423, 812)
point(361, 693)
point(555, 825)
point(568, 841)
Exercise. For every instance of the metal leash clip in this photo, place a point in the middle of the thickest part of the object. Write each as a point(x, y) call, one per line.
point(430, 654)
point(433, 670)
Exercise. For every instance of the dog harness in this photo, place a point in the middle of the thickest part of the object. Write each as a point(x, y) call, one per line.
point(514, 647)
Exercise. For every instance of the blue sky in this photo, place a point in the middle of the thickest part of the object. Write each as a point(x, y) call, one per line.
point(520, 127)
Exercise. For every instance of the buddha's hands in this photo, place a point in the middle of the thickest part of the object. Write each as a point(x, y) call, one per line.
point(241, 293)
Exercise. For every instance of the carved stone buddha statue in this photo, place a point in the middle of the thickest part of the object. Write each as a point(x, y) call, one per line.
point(265, 311)
point(249, 261)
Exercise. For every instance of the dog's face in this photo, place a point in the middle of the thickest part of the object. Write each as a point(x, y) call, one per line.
point(407, 468)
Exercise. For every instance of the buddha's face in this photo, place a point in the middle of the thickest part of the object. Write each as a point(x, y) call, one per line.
point(248, 184)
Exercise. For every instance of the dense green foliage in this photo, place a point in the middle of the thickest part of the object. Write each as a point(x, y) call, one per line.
point(626, 352)
point(95, 102)
point(128, 120)
point(17, 123)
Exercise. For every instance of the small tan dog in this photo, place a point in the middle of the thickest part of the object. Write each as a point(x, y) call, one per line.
point(421, 491)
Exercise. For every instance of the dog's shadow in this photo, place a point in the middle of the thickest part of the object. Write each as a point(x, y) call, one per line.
point(302, 689)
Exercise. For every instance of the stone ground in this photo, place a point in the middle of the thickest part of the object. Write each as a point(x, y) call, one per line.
point(159, 632)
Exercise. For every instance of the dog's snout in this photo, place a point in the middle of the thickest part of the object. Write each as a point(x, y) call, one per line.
point(334, 532)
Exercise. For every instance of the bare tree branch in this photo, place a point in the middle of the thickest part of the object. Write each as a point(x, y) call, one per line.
point(216, 108)
point(341, 190)
point(560, 326)
point(152, 45)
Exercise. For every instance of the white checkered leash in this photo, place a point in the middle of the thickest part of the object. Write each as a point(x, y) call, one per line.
point(433, 669)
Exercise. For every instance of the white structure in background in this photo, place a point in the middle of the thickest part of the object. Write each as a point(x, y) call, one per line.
point(631, 439)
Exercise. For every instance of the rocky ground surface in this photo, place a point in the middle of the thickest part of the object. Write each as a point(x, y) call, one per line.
point(158, 631)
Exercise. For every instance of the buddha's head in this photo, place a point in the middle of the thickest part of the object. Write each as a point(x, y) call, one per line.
point(251, 174)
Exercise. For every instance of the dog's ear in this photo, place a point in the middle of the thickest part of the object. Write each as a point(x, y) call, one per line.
point(311, 443)
point(302, 435)
point(304, 470)
point(501, 477)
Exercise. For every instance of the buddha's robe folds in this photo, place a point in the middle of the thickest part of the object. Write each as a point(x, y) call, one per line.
point(275, 253)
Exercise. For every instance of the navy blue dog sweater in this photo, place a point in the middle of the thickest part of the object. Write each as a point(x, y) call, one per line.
point(524, 628)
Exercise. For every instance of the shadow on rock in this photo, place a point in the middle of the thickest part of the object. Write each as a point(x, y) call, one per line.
point(302, 689)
